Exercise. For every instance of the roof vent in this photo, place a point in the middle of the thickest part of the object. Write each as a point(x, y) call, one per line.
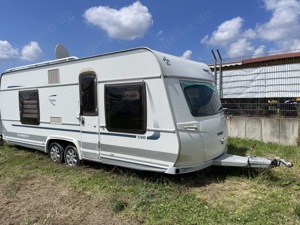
point(53, 76)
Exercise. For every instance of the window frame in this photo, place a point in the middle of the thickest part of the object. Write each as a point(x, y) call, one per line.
point(22, 107)
point(143, 107)
point(82, 76)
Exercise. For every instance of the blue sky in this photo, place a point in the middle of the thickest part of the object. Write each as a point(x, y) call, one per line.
point(30, 30)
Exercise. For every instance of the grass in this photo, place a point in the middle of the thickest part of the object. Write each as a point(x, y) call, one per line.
point(216, 195)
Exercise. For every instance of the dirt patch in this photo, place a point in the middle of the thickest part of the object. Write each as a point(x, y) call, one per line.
point(44, 200)
point(229, 195)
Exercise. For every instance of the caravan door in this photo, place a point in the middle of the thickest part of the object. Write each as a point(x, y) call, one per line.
point(88, 118)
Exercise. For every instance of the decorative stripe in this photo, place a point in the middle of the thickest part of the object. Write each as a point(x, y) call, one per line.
point(50, 128)
point(118, 135)
point(154, 136)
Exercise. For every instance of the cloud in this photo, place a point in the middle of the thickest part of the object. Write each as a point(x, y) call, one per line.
point(7, 51)
point(160, 33)
point(259, 51)
point(240, 48)
point(31, 52)
point(127, 23)
point(226, 33)
point(283, 28)
point(281, 32)
point(187, 54)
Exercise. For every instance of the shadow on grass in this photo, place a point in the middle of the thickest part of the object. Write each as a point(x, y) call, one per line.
point(200, 178)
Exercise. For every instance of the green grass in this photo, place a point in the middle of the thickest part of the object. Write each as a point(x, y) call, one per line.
point(216, 195)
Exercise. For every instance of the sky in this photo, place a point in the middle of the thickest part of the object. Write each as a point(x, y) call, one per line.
point(30, 30)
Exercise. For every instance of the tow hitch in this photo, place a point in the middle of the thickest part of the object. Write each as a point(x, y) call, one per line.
point(277, 161)
point(250, 161)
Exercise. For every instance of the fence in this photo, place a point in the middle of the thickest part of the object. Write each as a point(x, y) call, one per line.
point(266, 86)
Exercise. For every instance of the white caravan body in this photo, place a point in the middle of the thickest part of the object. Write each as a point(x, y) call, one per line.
point(137, 108)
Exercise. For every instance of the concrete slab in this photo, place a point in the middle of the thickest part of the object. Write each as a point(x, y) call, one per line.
point(237, 127)
point(254, 128)
point(289, 131)
point(271, 130)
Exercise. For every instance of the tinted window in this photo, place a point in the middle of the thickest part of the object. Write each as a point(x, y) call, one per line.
point(202, 98)
point(125, 107)
point(29, 107)
point(88, 94)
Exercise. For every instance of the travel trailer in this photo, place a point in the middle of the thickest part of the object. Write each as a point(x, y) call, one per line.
point(136, 108)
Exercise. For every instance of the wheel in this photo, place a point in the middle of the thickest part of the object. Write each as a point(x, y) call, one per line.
point(71, 156)
point(56, 152)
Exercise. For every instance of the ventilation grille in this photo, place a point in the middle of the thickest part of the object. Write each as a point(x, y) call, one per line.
point(55, 120)
point(53, 76)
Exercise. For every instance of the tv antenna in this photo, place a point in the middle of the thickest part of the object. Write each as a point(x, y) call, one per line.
point(61, 52)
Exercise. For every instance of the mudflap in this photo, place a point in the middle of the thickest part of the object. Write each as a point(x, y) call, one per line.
point(248, 161)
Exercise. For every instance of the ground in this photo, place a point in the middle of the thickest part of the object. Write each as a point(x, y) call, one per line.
point(43, 200)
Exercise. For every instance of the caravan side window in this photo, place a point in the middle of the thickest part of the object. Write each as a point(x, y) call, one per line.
point(125, 106)
point(29, 107)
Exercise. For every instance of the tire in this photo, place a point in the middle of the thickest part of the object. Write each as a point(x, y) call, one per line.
point(56, 152)
point(71, 156)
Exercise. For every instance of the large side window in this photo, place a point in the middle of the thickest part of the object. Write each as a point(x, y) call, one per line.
point(125, 106)
point(29, 107)
point(88, 94)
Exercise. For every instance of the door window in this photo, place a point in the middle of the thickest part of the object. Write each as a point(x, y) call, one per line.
point(88, 94)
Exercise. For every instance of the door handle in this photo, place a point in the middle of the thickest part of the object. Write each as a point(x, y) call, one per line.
point(191, 127)
point(82, 121)
point(78, 116)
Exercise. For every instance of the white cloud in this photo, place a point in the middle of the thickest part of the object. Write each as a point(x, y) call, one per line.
point(259, 51)
point(31, 52)
point(240, 48)
point(187, 54)
point(295, 44)
point(127, 23)
point(7, 51)
point(284, 23)
point(226, 33)
point(281, 32)
point(159, 33)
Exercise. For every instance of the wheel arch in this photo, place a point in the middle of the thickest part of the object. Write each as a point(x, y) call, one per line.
point(64, 141)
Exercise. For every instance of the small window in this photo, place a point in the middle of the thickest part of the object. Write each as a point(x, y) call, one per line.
point(29, 107)
point(126, 108)
point(88, 94)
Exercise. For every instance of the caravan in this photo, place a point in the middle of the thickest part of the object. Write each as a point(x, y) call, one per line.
point(136, 108)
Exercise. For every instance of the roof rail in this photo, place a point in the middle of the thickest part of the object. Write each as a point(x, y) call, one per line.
point(42, 64)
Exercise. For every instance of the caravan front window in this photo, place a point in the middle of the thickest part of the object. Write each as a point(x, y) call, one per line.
point(202, 98)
